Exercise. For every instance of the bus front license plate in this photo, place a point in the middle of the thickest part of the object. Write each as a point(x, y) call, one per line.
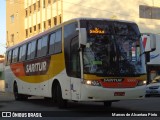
point(119, 94)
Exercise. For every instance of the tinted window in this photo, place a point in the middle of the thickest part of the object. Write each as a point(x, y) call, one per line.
point(33, 50)
point(15, 55)
point(29, 51)
point(70, 29)
point(23, 54)
point(70, 53)
point(75, 59)
point(42, 46)
point(9, 57)
point(51, 43)
point(58, 43)
point(55, 43)
point(20, 53)
point(39, 48)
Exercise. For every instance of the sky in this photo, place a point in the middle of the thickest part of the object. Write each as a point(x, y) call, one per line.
point(2, 26)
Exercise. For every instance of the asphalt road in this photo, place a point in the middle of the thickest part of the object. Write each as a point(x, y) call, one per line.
point(78, 109)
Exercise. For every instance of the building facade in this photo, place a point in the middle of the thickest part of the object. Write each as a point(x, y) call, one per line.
point(26, 18)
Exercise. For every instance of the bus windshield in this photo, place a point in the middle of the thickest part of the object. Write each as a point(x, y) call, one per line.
point(112, 49)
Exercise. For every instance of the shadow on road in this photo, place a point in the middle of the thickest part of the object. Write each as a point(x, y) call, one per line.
point(75, 109)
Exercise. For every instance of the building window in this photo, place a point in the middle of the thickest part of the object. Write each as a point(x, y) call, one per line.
point(60, 18)
point(34, 6)
point(55, 20)
point(26, 33)
point(39, 27)
point(54, 1)
point(30, 29)
point(49, 23)
point(49, 1)
point(149, 12)
point(26, 12)
point(12, 37)
point(35, 28)
point(12, 18)
point(30, 9)
point(11, 1)
point(39, 5)
point(44, 3)
point(44, 24)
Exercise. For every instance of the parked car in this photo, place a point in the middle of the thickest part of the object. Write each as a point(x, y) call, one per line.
point(153, 89)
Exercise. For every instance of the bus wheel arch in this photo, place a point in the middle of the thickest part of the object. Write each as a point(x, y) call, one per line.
point(57, 94)
point(15, 91)
point(16, 94)
point(53, 90)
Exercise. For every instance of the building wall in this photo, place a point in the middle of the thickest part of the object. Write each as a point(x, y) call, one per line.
point(30, 18)
point(113, 9)
point(41, 15)
point(34, 16)
point(14, 22)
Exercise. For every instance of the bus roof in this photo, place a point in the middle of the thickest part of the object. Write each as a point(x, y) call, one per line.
point(77, 19)
point(58, 26)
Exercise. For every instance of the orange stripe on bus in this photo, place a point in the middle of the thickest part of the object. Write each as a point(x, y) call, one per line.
point(18, 69)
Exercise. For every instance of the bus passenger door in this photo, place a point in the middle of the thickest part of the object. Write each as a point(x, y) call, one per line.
point(75, 69)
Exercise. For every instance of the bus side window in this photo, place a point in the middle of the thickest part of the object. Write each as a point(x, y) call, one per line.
point(23, 55)
point(58, 42)
point(42, 46)
point(55, 42)
point(33, 50)
point(9, 57)
point(15, 55)
point(39, 47)
point(20, 53)
point(75, 59)
point(29, 51)
point(51, 43)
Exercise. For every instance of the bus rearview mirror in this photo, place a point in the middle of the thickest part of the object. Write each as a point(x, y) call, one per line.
point(82, 36)
point(149, 42)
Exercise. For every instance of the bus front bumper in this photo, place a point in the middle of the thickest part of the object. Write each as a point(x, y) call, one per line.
point(95, 93)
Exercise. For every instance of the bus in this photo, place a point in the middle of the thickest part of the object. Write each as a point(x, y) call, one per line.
point(82, 59)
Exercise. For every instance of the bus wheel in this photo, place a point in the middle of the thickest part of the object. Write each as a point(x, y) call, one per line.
point(147, 95)
point(107, 104)
point(61, 102)
point(17, 95)
point(54, 94)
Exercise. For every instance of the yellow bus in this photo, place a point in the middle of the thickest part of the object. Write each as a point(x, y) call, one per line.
point(83, 59)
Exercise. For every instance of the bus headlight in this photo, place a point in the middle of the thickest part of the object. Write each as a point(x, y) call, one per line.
point(93, 82)
point(141, 82)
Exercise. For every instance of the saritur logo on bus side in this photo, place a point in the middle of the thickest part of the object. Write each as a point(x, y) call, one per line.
point(37, 67)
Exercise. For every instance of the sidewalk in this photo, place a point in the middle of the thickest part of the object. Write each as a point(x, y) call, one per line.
point(2, 85)
point(6, 97)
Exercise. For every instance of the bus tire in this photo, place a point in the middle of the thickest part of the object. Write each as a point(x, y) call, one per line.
point(147, 95)
point(60, 101)
point(107, 104)
point(54, 93)
point(18, 96)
